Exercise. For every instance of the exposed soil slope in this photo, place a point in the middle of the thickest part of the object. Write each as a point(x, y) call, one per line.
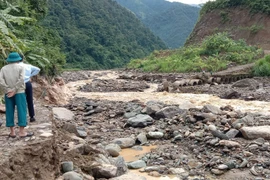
point(239, 22)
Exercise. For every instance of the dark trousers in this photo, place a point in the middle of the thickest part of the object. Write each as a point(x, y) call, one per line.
point(29, 98)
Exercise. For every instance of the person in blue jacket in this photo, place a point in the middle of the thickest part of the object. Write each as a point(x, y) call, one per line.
point(29, 71)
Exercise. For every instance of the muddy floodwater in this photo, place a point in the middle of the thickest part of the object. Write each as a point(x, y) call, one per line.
point(198, 100)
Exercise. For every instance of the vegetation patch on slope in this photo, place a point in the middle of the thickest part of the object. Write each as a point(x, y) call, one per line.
point(262, 67)
point(215, 53)
point(254, 5)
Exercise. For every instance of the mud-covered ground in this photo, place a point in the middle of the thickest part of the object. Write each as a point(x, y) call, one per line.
point(30, 157)
point(187, 142)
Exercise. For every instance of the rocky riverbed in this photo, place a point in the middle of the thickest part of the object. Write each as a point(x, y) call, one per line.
point(194, 137)
point(210, 131)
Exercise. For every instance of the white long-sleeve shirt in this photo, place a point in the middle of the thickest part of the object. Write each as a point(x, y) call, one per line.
point(29, 71)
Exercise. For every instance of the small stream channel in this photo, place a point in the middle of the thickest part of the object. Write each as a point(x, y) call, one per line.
point(130, 154)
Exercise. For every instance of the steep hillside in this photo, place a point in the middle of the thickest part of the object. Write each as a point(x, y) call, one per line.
point(172, 22)
point(242, 20)
point(99, 34)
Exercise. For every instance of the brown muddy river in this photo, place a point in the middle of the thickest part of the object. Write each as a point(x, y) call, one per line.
point(198, 100)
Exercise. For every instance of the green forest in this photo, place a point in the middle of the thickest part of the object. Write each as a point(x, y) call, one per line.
point(171, 21)
point(84, 34)
point(21, 32)
point(99, 34)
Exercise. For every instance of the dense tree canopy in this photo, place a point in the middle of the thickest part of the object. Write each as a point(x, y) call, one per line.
point(99, 34)
point(21, 32)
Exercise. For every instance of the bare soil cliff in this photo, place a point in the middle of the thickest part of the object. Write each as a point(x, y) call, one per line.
point(239, 22)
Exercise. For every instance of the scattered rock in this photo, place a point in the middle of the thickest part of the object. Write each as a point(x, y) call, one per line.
point(229, 144)
point(256, 132)
point(217, 133)
point(232, 133)
point(142, 138)
point(155, 135)
point(154, 168)
point(113, 149)
point(124, 142)
point(67, 166)
point(136, 164)
point(246, 83)
point(217, 171)
point(140, 120)
point(210, 108)
point(72, 176)
point(121, 165)
point(104, 171)
point(63, 114)
point(176, 171)
point(223, 167)
point(169, 112)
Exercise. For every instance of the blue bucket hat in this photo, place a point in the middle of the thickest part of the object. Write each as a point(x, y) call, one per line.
point(13, 57)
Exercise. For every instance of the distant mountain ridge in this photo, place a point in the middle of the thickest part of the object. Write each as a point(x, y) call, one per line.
point(197, 5)
point(171, 21)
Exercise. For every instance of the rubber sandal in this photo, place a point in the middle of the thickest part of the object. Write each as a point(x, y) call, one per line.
point(27, 135)
point(11, 136)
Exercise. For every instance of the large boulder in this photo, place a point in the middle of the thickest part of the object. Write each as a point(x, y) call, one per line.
point(136, 164)
point(246, 83)
point(140, 120)
point(63, 114)
point(169, 112)
point(256, 132)
point(113, 149)
point(121, 165)
point(124, 142)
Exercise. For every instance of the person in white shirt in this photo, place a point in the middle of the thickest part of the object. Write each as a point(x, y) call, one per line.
point(29, 71)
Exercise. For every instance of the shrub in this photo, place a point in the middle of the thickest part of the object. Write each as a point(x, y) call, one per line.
point(216, 43)
point(224, 17)
point(255, 28)
point(214, 54)
point(262, 67)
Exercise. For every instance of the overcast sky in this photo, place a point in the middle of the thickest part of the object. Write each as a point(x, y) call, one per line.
point(189, 1)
